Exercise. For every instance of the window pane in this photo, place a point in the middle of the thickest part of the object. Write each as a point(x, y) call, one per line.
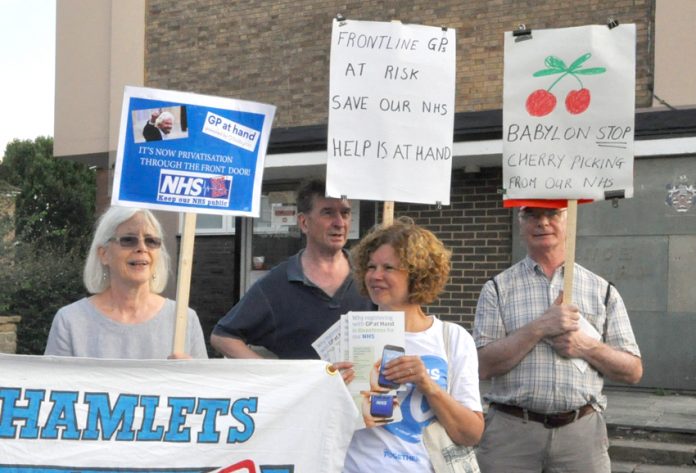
point(208, 222)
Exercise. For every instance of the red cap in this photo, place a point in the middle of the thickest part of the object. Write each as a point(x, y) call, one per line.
point(540, 203)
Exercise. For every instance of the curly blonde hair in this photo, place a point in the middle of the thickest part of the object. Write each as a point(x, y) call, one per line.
point(420, 252)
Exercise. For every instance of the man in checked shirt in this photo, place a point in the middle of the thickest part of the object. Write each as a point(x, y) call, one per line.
point(546, 368)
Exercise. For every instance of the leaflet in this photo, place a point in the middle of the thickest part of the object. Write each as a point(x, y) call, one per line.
point(368, 334)
point(328, 345)
point(588, 329)
point(361, 338)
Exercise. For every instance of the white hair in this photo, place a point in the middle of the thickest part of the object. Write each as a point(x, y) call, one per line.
point(96, 276)
point(164, 116)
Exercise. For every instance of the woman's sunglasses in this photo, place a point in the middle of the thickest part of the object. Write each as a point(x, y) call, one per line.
point(131, 241)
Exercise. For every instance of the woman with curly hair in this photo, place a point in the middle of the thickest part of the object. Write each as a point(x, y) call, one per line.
point(402, 267)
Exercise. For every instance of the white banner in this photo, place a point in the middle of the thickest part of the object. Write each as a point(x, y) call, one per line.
point(251, 416)
point(568, 113)
point(391, 112)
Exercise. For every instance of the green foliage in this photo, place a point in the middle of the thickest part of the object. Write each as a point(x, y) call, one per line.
point(41, 263)
point(20, 156)
point(6, 261)
point(55, 207)
point(41, 282)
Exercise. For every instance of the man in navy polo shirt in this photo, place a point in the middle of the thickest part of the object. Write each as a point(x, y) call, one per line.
point(301, 298)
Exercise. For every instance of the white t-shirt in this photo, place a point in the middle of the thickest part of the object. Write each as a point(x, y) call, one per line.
point(398, 447)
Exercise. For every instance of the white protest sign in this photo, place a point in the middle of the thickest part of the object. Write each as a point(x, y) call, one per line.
point(193, 416)
point(568, 113)
point(391, 112)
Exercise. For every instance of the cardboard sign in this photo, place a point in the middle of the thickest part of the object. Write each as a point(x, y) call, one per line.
point(191, 153)
point(391, 112)
point(568, 113)
point(87, 415)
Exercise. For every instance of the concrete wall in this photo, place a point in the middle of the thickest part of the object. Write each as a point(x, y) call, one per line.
point(81, 99)
point(648, 250)
point(675, 49)
point(99, 49)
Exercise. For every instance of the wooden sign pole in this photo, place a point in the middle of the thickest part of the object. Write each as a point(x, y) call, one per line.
point(569, 265)
point(388, 214)
point(183, 283)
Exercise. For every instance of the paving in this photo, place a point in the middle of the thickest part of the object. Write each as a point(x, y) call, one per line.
point(651, 431)
point(670, 411)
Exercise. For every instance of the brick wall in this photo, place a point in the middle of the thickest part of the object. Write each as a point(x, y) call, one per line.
point(8, 333)
point(477, 229)
point(212, 280)
point(278, 52)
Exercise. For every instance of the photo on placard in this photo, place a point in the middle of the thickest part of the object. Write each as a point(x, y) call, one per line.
point(158, 124)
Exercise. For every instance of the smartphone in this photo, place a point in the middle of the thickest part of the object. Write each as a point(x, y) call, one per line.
point(381, 405)
point(388, 353)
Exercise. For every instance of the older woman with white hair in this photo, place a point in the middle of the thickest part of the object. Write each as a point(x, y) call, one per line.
point(126, 270)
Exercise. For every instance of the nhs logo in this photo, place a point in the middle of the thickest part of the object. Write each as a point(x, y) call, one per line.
point(183, 187)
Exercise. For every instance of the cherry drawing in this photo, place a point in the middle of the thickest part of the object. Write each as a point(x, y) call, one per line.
point(541, 102)
point(577, 101)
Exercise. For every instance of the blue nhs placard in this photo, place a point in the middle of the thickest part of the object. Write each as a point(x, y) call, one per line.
point(191, 153)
